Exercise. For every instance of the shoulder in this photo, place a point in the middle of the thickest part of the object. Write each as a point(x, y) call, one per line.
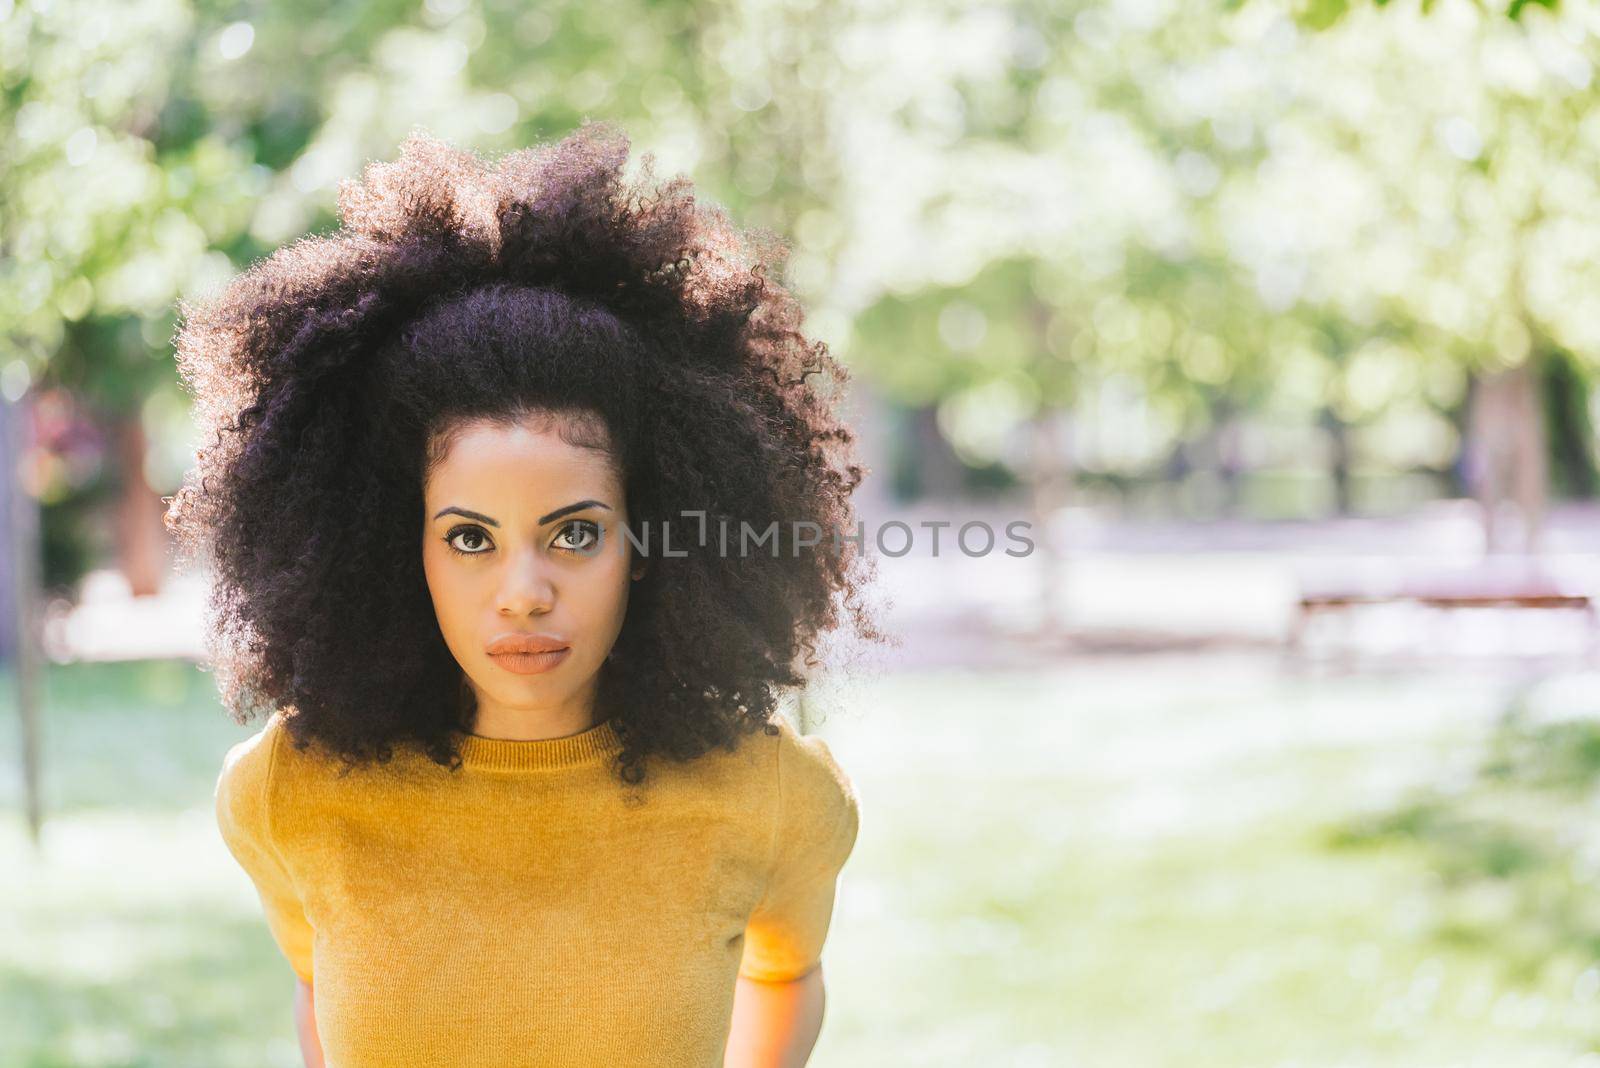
point(267, 785)
point(243, 784)
point(818, 805)
point(247, 765)
point(808, 772)
point(792, 779)
point(262, 763)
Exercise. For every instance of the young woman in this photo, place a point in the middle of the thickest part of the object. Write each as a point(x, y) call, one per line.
point(525, 505)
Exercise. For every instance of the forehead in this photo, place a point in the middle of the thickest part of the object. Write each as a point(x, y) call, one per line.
point(529, 461)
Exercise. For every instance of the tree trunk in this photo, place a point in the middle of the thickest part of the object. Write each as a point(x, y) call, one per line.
point(141, 538)
point(1051, 486)
point(939, 471)
point(1564, 399)
point(871, 421)
point(21, 588)
point(1339, 445)
point(1227, 438)
point(1507, 452)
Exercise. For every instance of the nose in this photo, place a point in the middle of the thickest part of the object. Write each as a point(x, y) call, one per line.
point(526, 588)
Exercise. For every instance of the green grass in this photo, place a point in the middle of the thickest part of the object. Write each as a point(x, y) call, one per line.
point(131, 938)
point(1181, 863)
point(1136, 863)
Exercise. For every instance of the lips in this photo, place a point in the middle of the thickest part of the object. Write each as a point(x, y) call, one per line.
point(527, 654)
point(525, 643)
point(529, 663)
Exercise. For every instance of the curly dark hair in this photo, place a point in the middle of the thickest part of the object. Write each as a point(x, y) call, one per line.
point(458, 289)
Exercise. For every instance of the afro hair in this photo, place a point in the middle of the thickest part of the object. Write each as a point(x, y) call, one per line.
point(458, 288)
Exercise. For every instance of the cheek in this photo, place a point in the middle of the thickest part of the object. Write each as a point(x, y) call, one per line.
point(617, 586)
point(446, 588)
point(599, 596)
point(431, 572)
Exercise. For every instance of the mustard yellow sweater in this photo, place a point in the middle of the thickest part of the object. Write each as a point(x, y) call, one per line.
point(520, 911)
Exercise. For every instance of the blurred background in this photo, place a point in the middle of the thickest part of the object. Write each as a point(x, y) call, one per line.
point(1280, 322)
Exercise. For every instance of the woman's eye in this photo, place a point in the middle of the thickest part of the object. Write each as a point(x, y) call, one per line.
point(466, 540)
point(586, 531)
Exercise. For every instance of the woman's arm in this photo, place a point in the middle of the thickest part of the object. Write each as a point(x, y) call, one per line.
point(305, 1023)
point(775, 1025)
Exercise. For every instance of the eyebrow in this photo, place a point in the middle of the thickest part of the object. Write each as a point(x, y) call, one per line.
point(577, 506)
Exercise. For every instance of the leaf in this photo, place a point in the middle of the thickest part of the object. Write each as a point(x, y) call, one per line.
point(1515, 10)
point(1321, 14)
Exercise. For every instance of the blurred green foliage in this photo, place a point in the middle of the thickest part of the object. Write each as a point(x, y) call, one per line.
point(1179, 223)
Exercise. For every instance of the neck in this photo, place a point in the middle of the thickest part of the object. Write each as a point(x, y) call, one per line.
point(520, 724)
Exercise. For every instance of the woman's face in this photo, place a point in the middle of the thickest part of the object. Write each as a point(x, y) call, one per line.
point(511, 520)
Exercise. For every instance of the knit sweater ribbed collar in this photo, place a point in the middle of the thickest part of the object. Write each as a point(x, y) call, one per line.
point(591, 746)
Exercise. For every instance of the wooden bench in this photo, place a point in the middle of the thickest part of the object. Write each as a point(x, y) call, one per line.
point(1515, 582)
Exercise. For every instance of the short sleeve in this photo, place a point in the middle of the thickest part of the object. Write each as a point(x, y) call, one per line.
point(243, 794)
point(817, 819)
